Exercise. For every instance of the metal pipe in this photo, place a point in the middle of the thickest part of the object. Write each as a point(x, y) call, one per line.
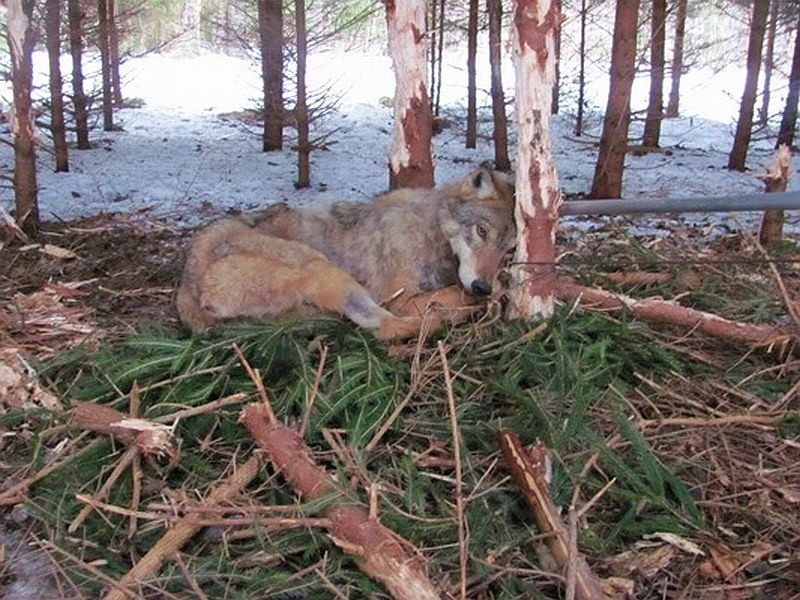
point(739, 203)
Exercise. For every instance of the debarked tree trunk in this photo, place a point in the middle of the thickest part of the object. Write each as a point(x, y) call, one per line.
point(536, 213)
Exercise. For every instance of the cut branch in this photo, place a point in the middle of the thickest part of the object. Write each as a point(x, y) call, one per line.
point(528, 471)
point(172, 541)
point(381, 555)
point(657, 310)
point(149, 437)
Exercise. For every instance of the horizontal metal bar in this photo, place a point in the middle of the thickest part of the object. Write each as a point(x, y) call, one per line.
point(740, 203)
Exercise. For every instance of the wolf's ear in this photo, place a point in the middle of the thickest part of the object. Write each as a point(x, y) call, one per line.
point(478, 184)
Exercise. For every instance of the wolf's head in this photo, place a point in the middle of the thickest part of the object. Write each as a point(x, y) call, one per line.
point(478, 220)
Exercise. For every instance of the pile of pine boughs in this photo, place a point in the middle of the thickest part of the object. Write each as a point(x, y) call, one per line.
point(628, 411)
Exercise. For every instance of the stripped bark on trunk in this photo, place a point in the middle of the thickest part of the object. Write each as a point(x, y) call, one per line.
point(21, 41)
point(105, 64)
point(500, 129)
point(676, 69)
point(410, 161)
point(76, 16)
point(537, 192)
point(655, 105)
point(789, 118)
point(775, 180)
point(270, 27)
point(57, 127)
point(741, 139)
point(607, 181)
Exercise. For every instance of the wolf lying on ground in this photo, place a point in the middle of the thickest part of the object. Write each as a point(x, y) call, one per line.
point(408, 249)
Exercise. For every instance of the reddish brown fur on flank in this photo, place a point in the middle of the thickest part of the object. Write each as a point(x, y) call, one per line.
point(407, 248)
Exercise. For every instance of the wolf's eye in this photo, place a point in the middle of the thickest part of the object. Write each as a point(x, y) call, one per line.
point(481, 231)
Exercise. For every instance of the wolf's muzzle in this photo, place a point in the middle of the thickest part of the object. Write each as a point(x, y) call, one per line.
point(481, 287)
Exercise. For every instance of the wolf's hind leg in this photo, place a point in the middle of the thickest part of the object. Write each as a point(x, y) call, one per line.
point(336, 290)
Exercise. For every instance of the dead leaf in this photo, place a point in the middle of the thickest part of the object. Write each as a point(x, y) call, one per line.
point(617, 588)
point(9, 225)
point(57, 252)
point(677, 541)
point(646, 563)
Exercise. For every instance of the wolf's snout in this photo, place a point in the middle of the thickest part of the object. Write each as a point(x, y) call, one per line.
point(481, 287)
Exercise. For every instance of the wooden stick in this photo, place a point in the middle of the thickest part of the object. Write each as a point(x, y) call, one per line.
point(528, 471)
point(462, 538)
point(657, 310)
point(127, 458)
point(382, 556)
point(172, 541)
point(312, 396)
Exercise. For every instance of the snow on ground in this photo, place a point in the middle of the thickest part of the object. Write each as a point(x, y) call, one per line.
point(181, 157)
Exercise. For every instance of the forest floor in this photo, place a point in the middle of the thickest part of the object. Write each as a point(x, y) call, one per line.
point(686, 448)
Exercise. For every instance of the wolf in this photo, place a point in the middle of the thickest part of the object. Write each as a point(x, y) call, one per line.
point(382, 263)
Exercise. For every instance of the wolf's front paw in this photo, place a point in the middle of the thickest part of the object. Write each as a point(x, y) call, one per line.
point(398, 328)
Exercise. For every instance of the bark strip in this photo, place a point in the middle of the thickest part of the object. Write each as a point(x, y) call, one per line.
point(380, 554)
point(528, 471)
point(410, 160)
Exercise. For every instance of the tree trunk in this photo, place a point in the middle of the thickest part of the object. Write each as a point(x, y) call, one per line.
point(472, 92)
point(581, 73)
point(410, 161)
point(677, 60)
point(769, 62)
point(789, 119)
point(270, 25)
point(500, 132)
point(75, 15)
point(433, 34)
point(607, 181)
point(741, 139)
point(57, 127)
point(536, 212)
point(775, 180)
point(190, 21)
point(301, 110)
point(439, 54)
point(114, 56)
point(105, 64)
point(21, 41)
point(557, 81)
point(655, 105)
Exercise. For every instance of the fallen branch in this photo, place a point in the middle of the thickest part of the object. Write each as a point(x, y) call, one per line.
point(172, 541)
point(147, 436)
point(528, 471)
point(657, 310)
point(381, 555)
